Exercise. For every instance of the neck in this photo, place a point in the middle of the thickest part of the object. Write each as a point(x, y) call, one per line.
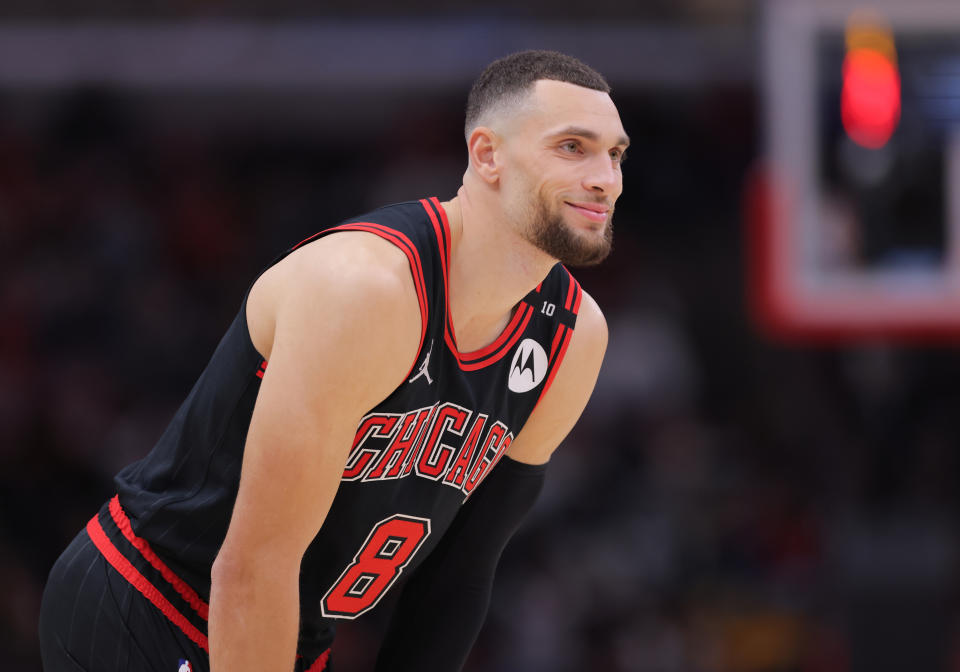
point(491, 269)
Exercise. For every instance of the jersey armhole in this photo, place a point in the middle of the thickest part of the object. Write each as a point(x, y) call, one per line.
point(391, 235)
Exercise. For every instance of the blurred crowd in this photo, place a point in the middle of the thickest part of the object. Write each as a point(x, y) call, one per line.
point(726, 504)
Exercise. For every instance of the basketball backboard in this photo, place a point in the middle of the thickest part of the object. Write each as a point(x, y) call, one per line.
point(853, 228)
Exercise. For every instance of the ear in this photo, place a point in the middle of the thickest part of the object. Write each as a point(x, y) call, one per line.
point(482, 147)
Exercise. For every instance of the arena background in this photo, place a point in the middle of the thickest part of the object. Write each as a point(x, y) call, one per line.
point(728, 503)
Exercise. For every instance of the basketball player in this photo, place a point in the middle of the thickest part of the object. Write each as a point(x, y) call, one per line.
point(384, 404)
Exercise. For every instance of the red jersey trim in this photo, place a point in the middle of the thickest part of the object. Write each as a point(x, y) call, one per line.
point(442, 232)
point(571, 288)
point(502, 351)
point(140, 582)
point(523, 311)
point(184, 590)
point(446, 224)
point(556, 341)
point(563, 334)
point(441, 229)
point(573, 292)
point(490, 354)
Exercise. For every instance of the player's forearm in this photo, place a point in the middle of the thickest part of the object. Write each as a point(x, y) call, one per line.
point(431, 631)
point(254, 616)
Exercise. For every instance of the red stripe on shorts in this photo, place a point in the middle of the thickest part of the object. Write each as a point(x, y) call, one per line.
point(320, 663)
point(185, 591)
point(141, 583)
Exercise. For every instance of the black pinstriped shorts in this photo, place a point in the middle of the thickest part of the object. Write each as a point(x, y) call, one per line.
point(93, 619)
point(108, 610)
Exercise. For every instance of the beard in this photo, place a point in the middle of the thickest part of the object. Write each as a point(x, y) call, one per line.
point(550, 233)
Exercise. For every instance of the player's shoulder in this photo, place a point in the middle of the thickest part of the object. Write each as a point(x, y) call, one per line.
point(358, 269)
point(352, 275)
point(347, 257)
point(589, 341)
point(591, 321)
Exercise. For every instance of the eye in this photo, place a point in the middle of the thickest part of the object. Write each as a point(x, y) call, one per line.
point(570, 147)
point(618, 156)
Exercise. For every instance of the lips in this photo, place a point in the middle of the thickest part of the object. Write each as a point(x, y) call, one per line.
point(595, 212)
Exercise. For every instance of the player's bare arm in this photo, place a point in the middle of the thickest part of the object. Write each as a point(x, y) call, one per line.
point(563, 403)
point(339, 323)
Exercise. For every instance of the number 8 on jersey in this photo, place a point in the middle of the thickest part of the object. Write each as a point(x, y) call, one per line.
point(389, 547)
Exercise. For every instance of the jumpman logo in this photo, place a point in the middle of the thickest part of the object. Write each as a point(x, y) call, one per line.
point(424, 367)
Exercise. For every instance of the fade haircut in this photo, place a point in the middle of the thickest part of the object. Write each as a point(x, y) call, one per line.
point(509, 78)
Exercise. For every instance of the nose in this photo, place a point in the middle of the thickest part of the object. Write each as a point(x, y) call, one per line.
point(603, 177)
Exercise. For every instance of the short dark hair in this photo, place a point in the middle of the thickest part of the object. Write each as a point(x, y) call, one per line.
point(516, 73)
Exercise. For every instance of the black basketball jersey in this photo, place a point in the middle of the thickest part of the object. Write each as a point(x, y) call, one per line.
point(416, 457)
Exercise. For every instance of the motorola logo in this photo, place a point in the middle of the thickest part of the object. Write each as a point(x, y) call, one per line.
point(529, 366)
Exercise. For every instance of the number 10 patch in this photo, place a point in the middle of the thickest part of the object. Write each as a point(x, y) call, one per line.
point(389, 548)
